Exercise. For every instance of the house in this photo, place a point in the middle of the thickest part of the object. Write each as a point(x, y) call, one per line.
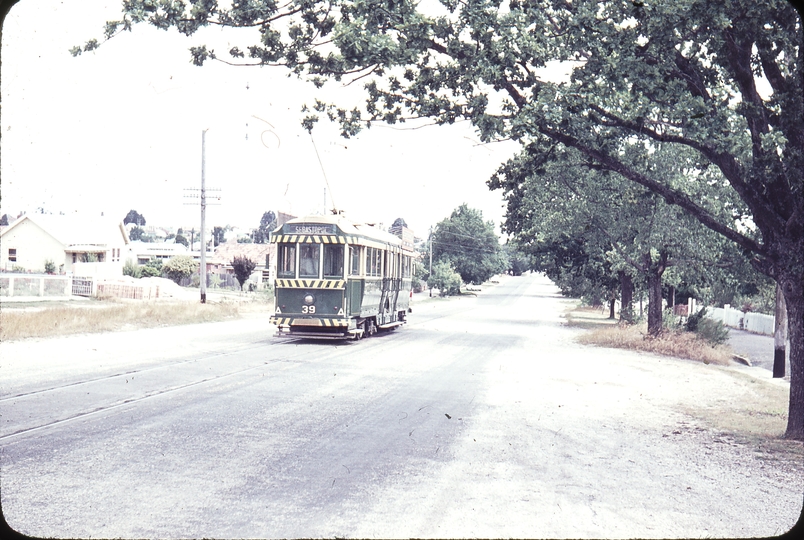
point(262, 254)
point(141, 252)
point(34, 239)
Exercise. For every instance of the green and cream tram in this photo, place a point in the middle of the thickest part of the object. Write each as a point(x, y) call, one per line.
point(339, 280)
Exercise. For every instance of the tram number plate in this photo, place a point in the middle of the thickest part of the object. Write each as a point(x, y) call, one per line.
point(308, 309)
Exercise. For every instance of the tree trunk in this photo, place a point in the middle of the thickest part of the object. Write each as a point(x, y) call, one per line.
point(793, 289)
point(779, 334)
point(611, 307)
point(626, 298)
point(654, 302)
point(671, 296)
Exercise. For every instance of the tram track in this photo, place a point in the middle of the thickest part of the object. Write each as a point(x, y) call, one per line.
point(41, 403)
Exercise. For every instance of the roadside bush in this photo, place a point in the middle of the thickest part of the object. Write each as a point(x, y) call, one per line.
point(179, 267)
point(710, 330)
point(445, 279)
point(50, 267)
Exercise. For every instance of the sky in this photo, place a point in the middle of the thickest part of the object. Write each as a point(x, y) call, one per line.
point(120, 128)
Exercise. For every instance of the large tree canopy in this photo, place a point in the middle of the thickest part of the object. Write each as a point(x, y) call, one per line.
point(469, 244)
point(721, 79)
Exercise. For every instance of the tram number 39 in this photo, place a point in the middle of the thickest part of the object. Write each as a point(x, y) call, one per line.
point(308, 309)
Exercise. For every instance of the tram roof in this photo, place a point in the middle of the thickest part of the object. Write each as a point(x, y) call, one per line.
point(346, 227)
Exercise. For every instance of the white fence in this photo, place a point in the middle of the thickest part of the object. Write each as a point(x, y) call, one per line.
point(39, 285)
point(759, 323)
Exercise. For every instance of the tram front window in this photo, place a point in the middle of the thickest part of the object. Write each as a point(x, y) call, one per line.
point(333, 261)
point(286, 261)
point(308, 260)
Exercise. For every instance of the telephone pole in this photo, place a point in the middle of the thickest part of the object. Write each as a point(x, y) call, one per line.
point(203, 269)
point(202, 281)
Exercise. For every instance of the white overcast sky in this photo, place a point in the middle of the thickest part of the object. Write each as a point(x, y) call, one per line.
point(120, 128)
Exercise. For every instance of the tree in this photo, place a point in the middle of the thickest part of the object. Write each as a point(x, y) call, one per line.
point(688, 74)
point(179, 267)
point(180, 239)
point(134, 217)
point(469, 244)
point(218, 234)
point(4, 220)
point(593, 231)
point(243, 267)
point(399, 222)
point(267, 224)
point(135, 234)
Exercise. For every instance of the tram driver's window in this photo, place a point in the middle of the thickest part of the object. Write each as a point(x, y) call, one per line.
point(333, 261)
point(286, 261)
point(308, 260)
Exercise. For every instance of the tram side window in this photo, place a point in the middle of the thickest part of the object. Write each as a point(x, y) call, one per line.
point(405, 266)
point(354, 260)
point(333, 261)
point(373, 262)
point(286, 261)
point(309, 255)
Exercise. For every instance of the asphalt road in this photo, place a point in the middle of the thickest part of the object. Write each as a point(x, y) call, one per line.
point(481, 417)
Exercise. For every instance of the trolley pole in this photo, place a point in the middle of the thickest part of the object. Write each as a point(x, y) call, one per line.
point(203, 268)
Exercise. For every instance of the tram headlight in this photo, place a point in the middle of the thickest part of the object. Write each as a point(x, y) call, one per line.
point(309, 299)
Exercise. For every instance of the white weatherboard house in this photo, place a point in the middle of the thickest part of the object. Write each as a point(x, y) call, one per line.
point(64, 239)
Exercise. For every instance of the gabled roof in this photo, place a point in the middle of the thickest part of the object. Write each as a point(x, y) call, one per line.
point(77, 229)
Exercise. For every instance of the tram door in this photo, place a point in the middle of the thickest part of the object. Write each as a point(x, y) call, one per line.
point(390, 291)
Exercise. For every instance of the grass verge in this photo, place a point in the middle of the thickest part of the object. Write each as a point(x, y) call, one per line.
point(605, 332)
point(109, 315)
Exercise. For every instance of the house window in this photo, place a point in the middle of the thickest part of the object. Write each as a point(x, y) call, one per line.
point(75, 257)
point(12, 254)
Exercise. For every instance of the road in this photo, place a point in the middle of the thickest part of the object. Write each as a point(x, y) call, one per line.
point(481, 417)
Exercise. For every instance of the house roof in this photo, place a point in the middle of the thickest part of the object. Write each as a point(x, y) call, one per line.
point(227, 251)
point(77, 230)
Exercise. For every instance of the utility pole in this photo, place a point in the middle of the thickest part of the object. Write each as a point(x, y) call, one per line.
point(202, 281)
point(431, 260)
point(203, 270)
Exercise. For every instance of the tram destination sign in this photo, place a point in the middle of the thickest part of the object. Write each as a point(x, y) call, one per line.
point(308, 228)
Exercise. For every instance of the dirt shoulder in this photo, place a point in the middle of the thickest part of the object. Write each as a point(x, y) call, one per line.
point(748, 409)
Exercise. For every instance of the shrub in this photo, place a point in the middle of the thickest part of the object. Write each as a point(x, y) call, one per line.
point(709, 330)
point(445, 279)
point(50, 267)
point(179, 267)
point(152, 268)
point(712, 331)
point(131, 269)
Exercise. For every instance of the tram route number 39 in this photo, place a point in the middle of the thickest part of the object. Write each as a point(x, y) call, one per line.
point(308, 309)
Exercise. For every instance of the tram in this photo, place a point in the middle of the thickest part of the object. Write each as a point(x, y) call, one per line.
point(336, 279)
